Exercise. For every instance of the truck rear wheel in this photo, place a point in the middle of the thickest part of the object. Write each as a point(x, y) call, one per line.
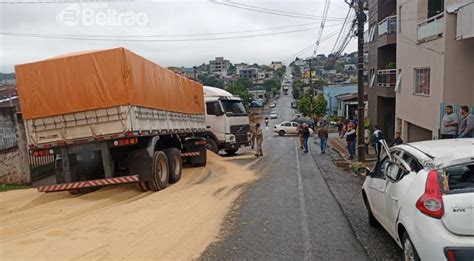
point(141, 186)
point(231, 151)
point(175, 164)
point(211, 145)
point(160, 172)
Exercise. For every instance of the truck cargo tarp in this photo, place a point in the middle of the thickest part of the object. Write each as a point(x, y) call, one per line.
point(103, 79)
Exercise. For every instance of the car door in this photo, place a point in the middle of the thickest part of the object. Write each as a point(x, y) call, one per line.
point(376, 188)
point(294, 126)
point(287, 127)
point(399, 176)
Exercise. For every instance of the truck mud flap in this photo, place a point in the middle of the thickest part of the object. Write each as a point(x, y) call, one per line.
point(88, 184)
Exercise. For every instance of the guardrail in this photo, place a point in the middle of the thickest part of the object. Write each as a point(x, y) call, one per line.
point(388, 25)
point(387, 78)
point(431, 28)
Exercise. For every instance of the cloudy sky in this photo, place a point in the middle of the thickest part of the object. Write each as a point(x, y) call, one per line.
point(171, 33)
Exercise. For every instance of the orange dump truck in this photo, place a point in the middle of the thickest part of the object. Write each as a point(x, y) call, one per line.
point(111, 116)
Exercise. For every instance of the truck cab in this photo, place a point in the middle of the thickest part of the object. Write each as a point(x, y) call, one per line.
point(227, 121)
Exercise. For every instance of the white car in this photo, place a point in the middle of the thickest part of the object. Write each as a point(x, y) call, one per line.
point(288, 127)
point(273, 105)
point(422, 193)
point(273, 115)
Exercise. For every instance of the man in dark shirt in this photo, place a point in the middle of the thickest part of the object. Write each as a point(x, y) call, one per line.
point(351, 138)
point(323, 137)
point(305, 134)
point(398, 139)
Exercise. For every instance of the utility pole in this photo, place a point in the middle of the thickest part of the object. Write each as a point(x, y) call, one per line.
point(194, 71)
point(361, 18)
point(312, 91)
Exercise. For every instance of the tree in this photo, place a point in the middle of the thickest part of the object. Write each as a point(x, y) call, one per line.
point(239, 89)
point(210, 80)
point(271, 84)
point(318, 107)
point(296, 93)
point(245, 82)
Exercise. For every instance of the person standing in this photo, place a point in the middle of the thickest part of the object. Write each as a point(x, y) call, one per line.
point(378, 136)
point(252, 137)
point(259, 139)
point(466, 128)
point(300, 135)
point(350, 138)
point(366, 140)
point(305, 135)
point(449, 124)
point(323, 137)
point(398, 140)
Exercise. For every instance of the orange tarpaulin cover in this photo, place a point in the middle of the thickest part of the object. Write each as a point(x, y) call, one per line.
point(102, 79)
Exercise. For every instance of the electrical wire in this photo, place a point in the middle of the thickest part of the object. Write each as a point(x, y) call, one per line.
point(280, 13)
point(340, 32)
point(152, 40)
point(321, 28)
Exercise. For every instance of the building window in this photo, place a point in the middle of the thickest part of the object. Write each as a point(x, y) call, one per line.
point(422, 81)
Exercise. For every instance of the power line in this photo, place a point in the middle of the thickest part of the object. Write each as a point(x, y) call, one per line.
point(151, 40)
point(281, 13)
point(321, 28)
point(327, 37)
point(342, 28)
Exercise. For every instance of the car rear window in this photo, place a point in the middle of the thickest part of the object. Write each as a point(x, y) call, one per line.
point(460, 177)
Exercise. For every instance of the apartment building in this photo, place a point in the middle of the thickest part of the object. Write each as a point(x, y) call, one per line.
point(381, 47)
point(276, 65)
point(219, 66)
point(435, 63)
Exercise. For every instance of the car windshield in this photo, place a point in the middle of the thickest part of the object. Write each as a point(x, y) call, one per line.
point(233, 108)
point(461, 177)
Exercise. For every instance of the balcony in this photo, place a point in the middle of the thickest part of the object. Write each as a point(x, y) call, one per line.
point(387, 78)
point(388, 25)
point(431, 28)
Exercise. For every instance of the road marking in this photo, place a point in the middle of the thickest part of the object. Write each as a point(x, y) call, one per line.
point(308, 255)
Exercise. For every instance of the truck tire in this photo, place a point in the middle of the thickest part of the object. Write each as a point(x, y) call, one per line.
point(231, 151)
point(159, 172)
point(212, 145)
point(141, 186)
point(175, 164)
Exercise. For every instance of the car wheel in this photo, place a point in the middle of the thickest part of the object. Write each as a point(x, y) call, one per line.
point(409, 251)
point(370, 216)
point(281, 133)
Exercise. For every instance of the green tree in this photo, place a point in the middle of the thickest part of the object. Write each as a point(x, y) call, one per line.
point(210, 80)
point(271, 84)
point(296, 93)
point(239, 89)
point(317, 107)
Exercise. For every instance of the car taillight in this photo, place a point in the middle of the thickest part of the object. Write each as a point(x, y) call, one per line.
point(450, 255)
point(431, 202)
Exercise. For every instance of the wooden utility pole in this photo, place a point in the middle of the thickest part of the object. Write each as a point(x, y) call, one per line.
point(361, 18)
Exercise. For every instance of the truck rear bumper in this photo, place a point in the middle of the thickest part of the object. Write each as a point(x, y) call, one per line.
point(88, 184)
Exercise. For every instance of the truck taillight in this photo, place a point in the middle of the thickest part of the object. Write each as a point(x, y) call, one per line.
point(431, 202)
point(38, 153)
point(200, 142)
point(124, 142)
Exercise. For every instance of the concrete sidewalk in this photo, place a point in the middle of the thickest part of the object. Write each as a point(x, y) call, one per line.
point(340, 145)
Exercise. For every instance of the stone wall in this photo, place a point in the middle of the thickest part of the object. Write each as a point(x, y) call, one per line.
point(14, 166)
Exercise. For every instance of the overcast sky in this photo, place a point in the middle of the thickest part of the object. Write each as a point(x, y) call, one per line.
point(85, 25)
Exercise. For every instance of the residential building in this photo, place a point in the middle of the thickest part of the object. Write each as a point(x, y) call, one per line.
point(248, 73)
point(258, 92)
point(382, 73)
point(347, 105)
point(276, 65)
point(219, 66)
point(331, 91)
point(435, 58)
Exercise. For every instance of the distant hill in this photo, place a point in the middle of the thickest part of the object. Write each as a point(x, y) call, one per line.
point(7, 76)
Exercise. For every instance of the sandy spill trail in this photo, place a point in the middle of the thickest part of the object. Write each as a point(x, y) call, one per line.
point(120, 222)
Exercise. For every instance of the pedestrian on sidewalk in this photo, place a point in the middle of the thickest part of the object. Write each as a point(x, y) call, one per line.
point(351, 136)
point(449, 124)
point(366, 140)
point(300, 135)
point(377, 137)
point(466, 129)
point(323, 137)
point(259, 139)
point(305, 135)
point(398, 140)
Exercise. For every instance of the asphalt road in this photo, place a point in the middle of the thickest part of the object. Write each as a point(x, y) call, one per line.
point(302, 208)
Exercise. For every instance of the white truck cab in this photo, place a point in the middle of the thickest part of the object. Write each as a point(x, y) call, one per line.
point(227, 121)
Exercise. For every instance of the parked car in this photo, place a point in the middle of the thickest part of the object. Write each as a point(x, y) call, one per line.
point(288, 127)
point(301, 120)
point(256, 104)
point(273, 105)
point(422, 193)
point(294, 105)
point(273, 115)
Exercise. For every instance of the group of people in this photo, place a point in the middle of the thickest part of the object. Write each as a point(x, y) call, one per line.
point(454, 126)
point(304, 133)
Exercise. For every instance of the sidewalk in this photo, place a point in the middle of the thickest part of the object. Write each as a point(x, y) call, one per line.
point(340, 146)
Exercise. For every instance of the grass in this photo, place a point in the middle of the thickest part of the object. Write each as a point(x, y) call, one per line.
point(5, 187)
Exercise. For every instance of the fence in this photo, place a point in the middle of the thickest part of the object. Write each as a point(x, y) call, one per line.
point(41, 167)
